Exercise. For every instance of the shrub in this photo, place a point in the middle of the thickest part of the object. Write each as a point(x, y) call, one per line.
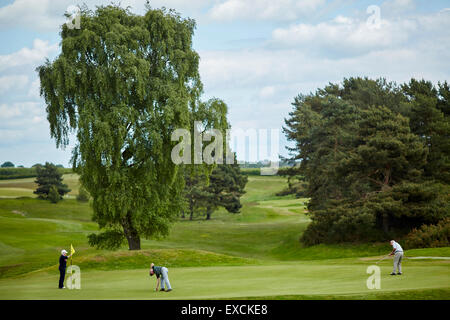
point(340, 223)
point(430, 236)
point(53, 195)
point(83, 195)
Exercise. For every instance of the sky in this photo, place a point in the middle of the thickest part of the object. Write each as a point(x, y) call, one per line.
point(256, 55)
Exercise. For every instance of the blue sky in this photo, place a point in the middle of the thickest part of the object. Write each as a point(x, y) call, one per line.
point(255, 55)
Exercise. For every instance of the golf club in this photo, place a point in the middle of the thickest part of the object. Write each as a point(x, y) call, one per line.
point(382, 259)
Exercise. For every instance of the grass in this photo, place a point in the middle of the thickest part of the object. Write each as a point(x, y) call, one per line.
point(318, 280)
point(422, 294)
point(253, 254)
point(24, 187)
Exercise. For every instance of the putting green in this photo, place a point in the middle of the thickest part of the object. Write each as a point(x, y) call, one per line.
point(307, 278)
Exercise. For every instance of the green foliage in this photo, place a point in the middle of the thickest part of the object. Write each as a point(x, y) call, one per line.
point(430, 236)
point(123, 83)
point(16, 173)
point(374, 155)
point(251, 171)
point(297, 184)
point(48, 176)
point(83, 195)
point(429, 120)
point(109, 239)
point(19, 172)
point(53, 195)
point(408, 205)
point(224, 188)
point(340, 222)
point(7, 164)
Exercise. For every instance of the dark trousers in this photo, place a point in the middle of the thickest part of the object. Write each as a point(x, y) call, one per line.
point(62, 275)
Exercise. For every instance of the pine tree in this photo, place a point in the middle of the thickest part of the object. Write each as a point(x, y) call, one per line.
point(374, 156)
point(48, 176)
point(429, 119)
point(226, 187)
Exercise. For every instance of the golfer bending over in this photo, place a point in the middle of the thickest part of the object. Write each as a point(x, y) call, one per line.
point(62, 268)
point(161, 276)
point(397, 252)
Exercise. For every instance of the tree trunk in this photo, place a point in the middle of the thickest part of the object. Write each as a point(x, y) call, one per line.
point(191, 210)
point(134, 241)
point(208, 213)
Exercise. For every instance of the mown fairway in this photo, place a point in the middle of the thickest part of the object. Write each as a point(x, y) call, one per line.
point(252, 254)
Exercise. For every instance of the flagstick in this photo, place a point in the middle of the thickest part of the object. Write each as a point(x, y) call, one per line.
point(71, 266)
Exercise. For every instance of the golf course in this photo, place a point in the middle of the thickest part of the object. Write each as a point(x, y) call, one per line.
point(253, 254)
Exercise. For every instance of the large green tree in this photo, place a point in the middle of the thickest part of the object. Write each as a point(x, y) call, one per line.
point(374, 156)
point(123, 83)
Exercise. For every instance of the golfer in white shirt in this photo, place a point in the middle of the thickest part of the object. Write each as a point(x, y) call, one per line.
point(397, 252)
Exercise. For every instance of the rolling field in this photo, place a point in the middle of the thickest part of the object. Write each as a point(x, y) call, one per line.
point(253, 254)
point(14, 188)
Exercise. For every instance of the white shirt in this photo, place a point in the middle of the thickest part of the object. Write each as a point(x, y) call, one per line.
point(397, 247)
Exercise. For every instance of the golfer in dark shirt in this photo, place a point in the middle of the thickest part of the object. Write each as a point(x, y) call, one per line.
point(62, 268)
point(162, 276)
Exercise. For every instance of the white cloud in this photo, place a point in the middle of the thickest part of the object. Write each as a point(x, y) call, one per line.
point(179, 5)
point(25, 56)
point(34, 14)
point(263, 9)
point(342, 34)
point(12, 82)
point(267, 91)
point(33, 90)
point(19, 111)
point(393, 8)
point(345, 36)
point(48, 15)
point(23, 122)
point(259, 84)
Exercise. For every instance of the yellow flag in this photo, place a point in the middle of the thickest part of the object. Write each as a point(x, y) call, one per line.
point(72, 250)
